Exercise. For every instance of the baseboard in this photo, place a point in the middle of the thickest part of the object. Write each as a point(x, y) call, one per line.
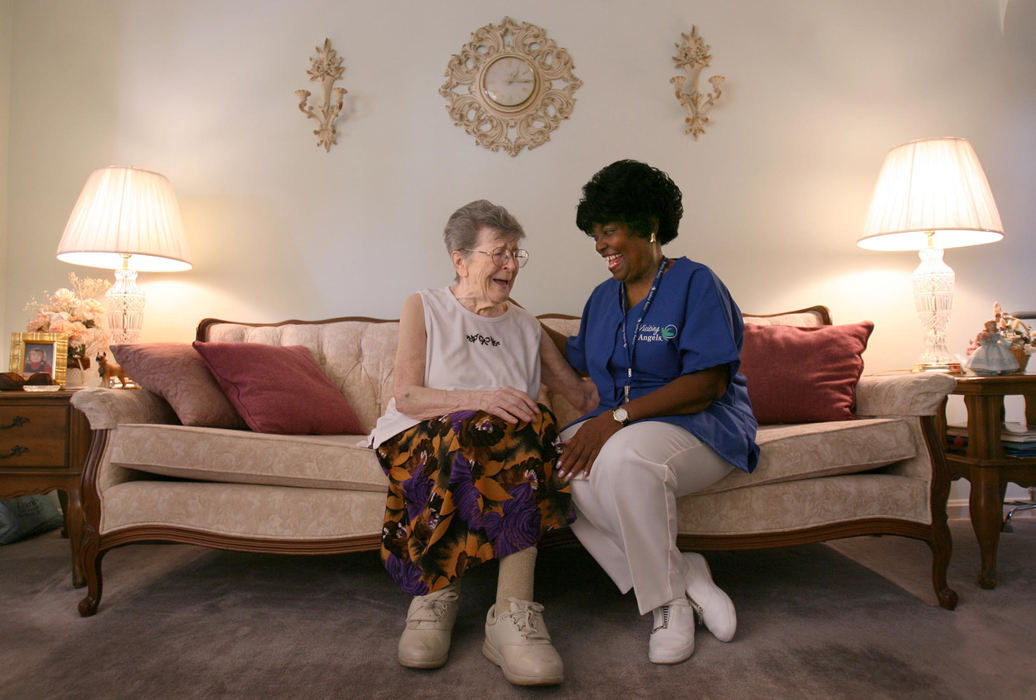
point(957, 509)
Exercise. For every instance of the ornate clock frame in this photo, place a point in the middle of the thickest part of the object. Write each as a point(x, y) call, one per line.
point(501, 124)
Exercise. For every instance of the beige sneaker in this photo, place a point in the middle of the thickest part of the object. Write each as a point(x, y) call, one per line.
point(425, 642)
point(518, 642)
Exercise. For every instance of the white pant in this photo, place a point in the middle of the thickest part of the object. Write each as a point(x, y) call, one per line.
point(627, 507)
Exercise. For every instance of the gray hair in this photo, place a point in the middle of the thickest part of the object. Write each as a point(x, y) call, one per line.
point(461, 232)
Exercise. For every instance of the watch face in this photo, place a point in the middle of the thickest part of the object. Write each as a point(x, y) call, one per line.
point(509, 81)
point(620, 415)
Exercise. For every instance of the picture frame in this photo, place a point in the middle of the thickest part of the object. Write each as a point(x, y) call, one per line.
point(40, 352)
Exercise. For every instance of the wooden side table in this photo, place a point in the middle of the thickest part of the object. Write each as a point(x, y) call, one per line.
point(43, 446)
point(983, 461)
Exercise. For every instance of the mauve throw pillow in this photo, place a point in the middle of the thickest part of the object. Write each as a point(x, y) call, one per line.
point(803, 375)
point(176, 373)
point(279, 389)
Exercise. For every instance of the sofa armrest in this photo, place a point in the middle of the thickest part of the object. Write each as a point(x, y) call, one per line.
point(107, 408)
point(907, 394)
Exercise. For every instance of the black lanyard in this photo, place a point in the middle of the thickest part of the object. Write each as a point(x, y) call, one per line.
point(632, 350)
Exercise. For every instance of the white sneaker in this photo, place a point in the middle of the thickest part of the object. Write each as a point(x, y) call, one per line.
point(672, 637)
point(518, 642)
point(425, 642)
point(709, 601)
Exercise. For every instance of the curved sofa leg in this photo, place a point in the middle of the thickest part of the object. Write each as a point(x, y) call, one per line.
point(940, 541)
point(942, 547)
point(90, 552)
point(91, 564)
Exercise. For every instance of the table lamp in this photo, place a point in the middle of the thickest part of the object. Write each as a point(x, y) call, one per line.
point(125, 220)
point(932, 194)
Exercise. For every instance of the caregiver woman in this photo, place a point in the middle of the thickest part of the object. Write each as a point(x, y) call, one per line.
point(661, 339)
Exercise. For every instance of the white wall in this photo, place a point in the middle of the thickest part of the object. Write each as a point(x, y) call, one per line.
point(817, 91)
point(6, 37)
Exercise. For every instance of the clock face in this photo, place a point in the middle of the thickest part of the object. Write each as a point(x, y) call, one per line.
point(509, 81)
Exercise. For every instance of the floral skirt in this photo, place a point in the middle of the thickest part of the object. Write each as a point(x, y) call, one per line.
point(466, 488)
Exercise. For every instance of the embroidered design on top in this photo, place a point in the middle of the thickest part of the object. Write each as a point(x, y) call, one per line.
point(655, 334)
point(484, 339)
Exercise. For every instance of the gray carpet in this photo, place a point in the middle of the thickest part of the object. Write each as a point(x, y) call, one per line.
point(185, 622)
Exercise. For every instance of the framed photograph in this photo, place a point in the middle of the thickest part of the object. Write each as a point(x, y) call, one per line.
point(40, 352)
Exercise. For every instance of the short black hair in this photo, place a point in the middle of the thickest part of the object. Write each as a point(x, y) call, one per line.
point(633, 193)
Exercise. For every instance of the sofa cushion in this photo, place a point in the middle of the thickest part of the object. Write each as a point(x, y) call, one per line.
point(307, 461)
point(358, 355)
point(794, 452)
point(797, 375)
point(175, 372)
point(279, 389)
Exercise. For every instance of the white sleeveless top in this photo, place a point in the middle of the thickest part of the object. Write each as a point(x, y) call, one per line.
point(466, 351)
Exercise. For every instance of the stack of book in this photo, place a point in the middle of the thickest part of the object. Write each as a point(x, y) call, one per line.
point(1018, 438)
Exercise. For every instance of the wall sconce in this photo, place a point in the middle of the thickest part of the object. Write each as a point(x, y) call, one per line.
point(326, 68)
point(693, 55)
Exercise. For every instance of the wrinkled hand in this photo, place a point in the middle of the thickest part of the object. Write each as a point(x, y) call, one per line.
point(506, 402)
point(582, 449)
point(587, 398)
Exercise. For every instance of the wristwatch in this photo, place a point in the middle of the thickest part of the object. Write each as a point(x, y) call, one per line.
point(621, 416)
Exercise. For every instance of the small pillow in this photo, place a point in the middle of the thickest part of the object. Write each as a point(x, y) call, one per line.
point(279, 389)
point(176, 373)
point(803, 375)
point(25, 516)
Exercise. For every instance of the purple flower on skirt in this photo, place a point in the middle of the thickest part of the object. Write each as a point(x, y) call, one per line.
point(462, 486)
point(457, 419)
point(519, 527)
point(416, 491)
point(406, 574)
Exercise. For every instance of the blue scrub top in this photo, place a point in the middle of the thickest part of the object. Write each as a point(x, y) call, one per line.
point(692, 324)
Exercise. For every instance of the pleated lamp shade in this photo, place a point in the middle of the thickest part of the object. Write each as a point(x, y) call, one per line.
point(126, 212)
point(932, 194)
point(931, 189)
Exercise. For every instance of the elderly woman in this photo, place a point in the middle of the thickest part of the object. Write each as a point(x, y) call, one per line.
point(661, 340)
point(470, 454)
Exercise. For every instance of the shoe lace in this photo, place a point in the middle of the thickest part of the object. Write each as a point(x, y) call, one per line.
point(527, 617)
point(432, 607)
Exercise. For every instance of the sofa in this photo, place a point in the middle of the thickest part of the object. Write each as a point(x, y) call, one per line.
point(149, 478)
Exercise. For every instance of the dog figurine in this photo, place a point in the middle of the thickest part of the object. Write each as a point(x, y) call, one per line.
point(110, 372)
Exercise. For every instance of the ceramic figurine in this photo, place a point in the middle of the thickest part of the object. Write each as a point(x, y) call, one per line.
point(993, 354)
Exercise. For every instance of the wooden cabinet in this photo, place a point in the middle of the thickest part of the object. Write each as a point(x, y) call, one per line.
point(43, 446)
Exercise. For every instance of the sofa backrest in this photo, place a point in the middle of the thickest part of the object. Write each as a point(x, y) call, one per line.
point(358, 353)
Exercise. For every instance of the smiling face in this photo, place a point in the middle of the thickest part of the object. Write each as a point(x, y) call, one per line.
point(483, 286)
point(630, 258)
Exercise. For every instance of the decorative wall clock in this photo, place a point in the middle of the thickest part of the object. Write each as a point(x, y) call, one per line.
point(510, 86)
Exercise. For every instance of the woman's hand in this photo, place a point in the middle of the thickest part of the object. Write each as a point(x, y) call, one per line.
point(586, 397)
point(582, 448)
point(506, 402)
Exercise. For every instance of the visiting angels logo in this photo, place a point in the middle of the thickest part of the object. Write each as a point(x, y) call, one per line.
point(656, 334)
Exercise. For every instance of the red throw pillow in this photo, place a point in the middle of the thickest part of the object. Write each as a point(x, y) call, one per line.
point(803, 375)
point(279, 389)
point(176, 373)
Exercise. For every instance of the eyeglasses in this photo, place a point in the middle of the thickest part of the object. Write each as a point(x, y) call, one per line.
point(500, 255)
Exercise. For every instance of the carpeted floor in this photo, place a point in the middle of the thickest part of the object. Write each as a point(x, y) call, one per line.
point(184, 622)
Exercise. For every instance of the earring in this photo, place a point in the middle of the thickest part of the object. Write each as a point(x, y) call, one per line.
point(652, 239)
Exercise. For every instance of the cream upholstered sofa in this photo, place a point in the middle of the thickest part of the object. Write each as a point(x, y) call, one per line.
point(147, 478)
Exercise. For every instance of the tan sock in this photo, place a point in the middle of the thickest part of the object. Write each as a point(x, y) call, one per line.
point(516, 577)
